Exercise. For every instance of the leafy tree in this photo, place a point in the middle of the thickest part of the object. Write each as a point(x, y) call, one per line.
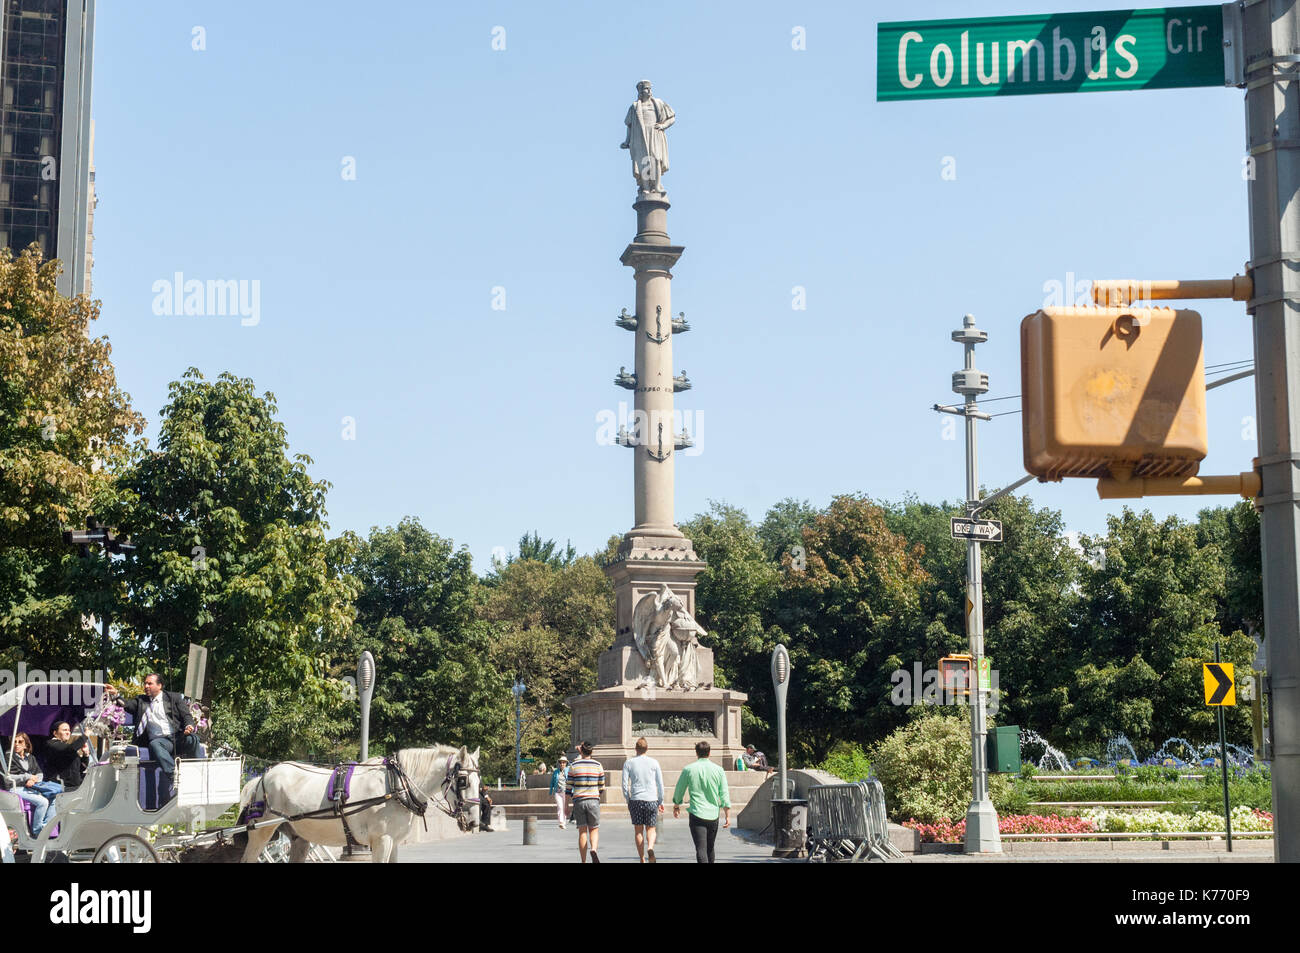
point(232, 552)
point(1235, 531)
point(731, 598)
point(1148, 621)
point(416, 614)
point(783, 526)
point(848, 621)
point(65, 428)
point(532, 547)
point(549, 625)
point(1029, 594)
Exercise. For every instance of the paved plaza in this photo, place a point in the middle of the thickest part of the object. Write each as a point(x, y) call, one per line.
point(555, 846)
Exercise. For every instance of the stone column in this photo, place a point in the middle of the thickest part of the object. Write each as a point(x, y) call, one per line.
point(654, 552)
point(651, 255)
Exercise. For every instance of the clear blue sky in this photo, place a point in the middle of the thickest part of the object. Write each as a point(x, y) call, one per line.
point(478, 168)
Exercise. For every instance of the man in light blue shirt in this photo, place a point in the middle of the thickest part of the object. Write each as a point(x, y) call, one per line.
point(643, 789)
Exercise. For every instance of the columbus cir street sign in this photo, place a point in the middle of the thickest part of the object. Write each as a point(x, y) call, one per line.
point(1058, 53)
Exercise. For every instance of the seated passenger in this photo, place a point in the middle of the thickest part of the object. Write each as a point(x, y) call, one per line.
point(162, 721)
point(63, 756)
point(27, 781)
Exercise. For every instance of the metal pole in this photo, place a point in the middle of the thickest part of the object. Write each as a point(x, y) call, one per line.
point(1271, 35)
point(366, 684)
point(1223, 760)
point(781, 685)
point(982, 835)
point(518, 690)
point(103, 642)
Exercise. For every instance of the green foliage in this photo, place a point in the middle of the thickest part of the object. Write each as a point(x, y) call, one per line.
point(1147, 621)
point(548, 624)
point(532, 547)
point(65, 429)
point(847, 762)
point(232, 552)
point(783, 525)
point(416, 614)
point(732, 597)
point(925, 769)
point(282, 725)
point(849, 620)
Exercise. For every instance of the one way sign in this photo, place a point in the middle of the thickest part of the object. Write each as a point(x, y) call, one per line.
point(1220, 688)
point(986, 531)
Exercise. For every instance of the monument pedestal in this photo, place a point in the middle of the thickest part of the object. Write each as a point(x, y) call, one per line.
point(627, 703)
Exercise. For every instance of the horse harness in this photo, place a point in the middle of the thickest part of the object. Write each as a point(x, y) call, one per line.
point(398, 785)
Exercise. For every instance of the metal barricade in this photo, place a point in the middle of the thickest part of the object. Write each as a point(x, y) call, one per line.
point(848, 822)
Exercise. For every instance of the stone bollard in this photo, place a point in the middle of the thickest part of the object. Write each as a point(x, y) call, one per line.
point(530, 831)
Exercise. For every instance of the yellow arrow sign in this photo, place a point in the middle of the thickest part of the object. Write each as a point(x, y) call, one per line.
point(1220, 686)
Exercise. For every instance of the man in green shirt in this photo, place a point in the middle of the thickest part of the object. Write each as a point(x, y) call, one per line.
point(707, 784)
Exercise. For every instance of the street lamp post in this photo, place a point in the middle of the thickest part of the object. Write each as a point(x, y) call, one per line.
point(366, 685)
point(96, 532)
point(518, 689)
point(789, 815)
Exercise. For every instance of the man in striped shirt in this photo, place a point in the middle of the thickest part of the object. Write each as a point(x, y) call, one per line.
point(585, 785)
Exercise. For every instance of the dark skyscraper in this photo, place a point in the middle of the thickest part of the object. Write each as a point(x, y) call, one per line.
point(46, 184)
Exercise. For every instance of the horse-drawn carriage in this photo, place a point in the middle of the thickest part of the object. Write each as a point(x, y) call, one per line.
point(117, 812)
point(123, 812)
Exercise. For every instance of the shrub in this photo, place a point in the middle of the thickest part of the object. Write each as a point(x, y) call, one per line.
point(924, 768)
point(846, 761)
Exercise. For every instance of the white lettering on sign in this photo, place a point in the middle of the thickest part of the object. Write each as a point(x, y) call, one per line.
point(1031, 57)
point(1196, 45)
point(908, 37)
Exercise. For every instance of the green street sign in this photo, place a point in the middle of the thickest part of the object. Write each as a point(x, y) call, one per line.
point(1053, 53)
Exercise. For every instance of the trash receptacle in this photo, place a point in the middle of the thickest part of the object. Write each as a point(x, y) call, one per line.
point(790, 827)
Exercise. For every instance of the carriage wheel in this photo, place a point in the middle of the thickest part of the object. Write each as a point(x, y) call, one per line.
point(125, 849)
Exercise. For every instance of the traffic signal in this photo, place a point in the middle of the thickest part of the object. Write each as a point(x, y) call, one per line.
point(1113, 392)
point(550, 725)
point(955, 675)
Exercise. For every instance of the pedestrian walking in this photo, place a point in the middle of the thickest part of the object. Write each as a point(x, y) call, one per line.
point(585, 784)
point(643, 789)
point(707, 785)
point(484, 809)
point(559, 783)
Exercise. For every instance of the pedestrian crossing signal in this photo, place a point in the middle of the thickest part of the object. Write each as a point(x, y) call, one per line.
point(955, 674)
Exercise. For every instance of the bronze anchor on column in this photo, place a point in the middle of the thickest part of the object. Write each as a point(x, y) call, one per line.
point(658, 337)
point(661, 455)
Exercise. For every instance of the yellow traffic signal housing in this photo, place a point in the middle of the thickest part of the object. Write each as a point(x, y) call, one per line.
point(955, 674)
point(1114, 392)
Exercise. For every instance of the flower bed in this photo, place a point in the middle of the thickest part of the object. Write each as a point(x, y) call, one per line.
point(1102, 821)
point(1244, 819)
point(946, 831)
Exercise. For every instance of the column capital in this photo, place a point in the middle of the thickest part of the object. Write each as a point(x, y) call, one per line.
point(644, 256)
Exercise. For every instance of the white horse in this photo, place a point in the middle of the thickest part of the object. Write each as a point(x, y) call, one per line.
point(443, 778)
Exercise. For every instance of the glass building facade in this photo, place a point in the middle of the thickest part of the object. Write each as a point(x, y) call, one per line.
point(46, 186)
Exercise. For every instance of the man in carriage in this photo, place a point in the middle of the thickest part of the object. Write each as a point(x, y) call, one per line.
point(164, 723)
